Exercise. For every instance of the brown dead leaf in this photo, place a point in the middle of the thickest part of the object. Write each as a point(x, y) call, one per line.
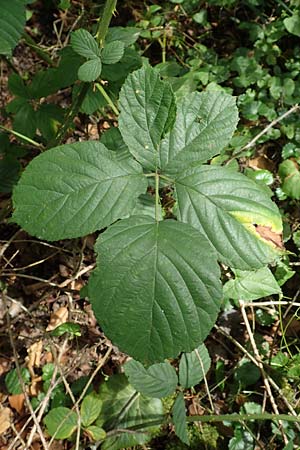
point(261, 162)
point(17, 402)
point(57, 318)
point(269, 235)
point(34, 357)
point(5, 419)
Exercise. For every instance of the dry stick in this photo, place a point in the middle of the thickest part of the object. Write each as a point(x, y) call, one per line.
point(205, 381)
point(7, 244)
point(44, 403)
point(262, 370)
point(264, 131)
point(27, 401)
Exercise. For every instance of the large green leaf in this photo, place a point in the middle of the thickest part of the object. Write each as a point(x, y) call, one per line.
point(12, 22)
point(204, 125)
point(147, 106)
point(158, 380)
point(193, 366)
point(122, 408)
point(235, 214)
point(76, 189)
point(151, 292)
point(251, 285)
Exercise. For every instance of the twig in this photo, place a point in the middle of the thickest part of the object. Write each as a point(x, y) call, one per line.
point(262, 370)
point(264, 131)
point(205, 381)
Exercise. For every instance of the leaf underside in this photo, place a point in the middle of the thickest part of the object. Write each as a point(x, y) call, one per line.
point(76, 189)
point(151, 292)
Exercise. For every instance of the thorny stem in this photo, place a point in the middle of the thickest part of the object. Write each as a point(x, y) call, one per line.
point(109, 9)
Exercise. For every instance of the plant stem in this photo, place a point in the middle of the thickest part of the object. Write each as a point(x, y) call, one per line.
point(25, 138)
point(109, 9)
point(156, 196)
point(107, 98)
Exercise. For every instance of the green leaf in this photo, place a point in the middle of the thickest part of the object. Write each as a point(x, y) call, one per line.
point(76, 189)
point(122, 408)
point(157, 298)
point(67, 327)
point(17, 86)
point(12, 22)
point(119, 71)
point(193, 366)
point(25, 120)
point(128, 35)
point(204, 125)
point(96, 433)
point(9, 173)
point(84, 44)
point(158, 380)
point(92, 102)
point(251, 285)
point(233, 212)
point(246, 373)
point(90, 70)
point(147, 113)
point(292, 24)
point(242, 440)
point(12, 380)
point(179, 419)
point(112, 52)
point(61, 422)
point(90, 409)
point(290, 175)
point(49, 117)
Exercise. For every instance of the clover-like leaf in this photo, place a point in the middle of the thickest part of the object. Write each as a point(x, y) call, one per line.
point(75, 189)
point(151, 292)
point(84, 44)
point(204, 125)
point(112, 52)
point(148, 109)
point(233, 212)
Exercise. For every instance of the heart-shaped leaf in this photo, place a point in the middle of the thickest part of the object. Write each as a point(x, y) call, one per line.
point(236, 215)
point(75, 189)
point(151, 292)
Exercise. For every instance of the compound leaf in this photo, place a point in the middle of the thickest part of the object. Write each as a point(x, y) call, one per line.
point(158, 380)
point(193, 366)
point(147, 106)
point(151, 293)
point(84, 44)
point(236, 215)
point(204, 125)
point(76, 189)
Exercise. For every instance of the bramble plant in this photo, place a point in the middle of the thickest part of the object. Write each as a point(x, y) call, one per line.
point(156, 290)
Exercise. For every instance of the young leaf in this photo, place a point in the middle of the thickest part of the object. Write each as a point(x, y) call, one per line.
point(61, 422)
point(12, 22)
point(235, 214)
point(90, 70)
point(179, 419)
point(76, 189)
point(158, 380)
point(204, 125)
point(84, 44)
point(147, 113)
point(122, 408)
point(90, 409)
point(251, 285)
point(112, 52)
point(157, 297)
point(192, 365)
